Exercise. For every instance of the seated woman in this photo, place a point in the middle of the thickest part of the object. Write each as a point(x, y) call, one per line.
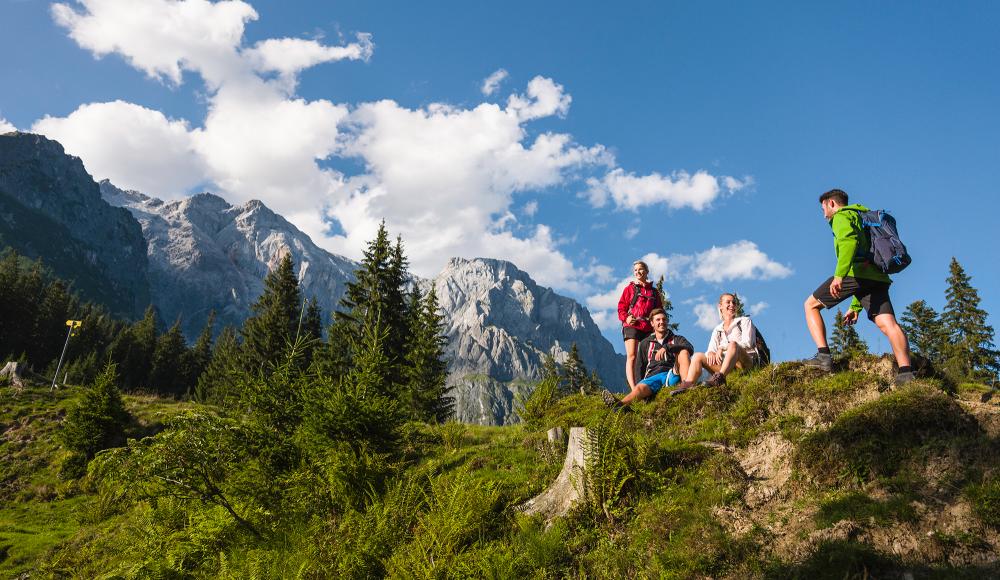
point(733, 345)
point(662, 355)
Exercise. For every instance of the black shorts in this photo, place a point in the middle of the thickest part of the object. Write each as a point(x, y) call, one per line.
point(874, 296)
point(633, 333)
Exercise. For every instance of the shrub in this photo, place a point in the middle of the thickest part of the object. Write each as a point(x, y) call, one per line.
point(97, 422)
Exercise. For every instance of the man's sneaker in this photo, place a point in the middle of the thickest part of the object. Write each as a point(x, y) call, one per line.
point(716, 380)
point(820, 361)
point(903, 378)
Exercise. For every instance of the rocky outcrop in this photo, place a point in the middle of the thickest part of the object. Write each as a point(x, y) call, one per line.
point(500, 325)
point(205, 254)
point(51, 208)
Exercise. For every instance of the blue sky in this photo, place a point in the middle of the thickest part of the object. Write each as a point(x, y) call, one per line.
point(654, 129)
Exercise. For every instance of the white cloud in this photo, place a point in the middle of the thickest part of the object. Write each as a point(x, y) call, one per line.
point(289, 56)
point(446, 178)
point(472, 161)
point(707, 315)
point(755, 309)
point(162, 37)
point(679, 190)
point(134, 147)
point(631, 232)
point(741, 260)
point(6, 126)
point(492, 82)
point(544, 98)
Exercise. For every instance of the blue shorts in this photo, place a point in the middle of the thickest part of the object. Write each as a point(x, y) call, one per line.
point(656, 382)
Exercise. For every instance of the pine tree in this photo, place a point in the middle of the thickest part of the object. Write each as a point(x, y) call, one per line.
point(846, 342)
point(971, 354)
point(49, 329)
point(274, 322)
point(169, 372)
point(424, 366)
point(312, 330)
point(925, 331)
point(200, 354)
point(738, 305)
point(133, 350)
point(668, 306)
point(574, 373)
point(217, 383)
point(550, 368)
point(377, 292)
point(97, 422)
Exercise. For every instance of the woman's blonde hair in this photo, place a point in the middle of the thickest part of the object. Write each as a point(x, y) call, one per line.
point(640, 263)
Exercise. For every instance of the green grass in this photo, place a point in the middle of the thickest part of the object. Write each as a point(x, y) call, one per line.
point(876, 439)
point(28, 530)
point(667, 506)
point(863, 509)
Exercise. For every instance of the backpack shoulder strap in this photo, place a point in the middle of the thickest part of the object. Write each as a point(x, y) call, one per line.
point(636, 289)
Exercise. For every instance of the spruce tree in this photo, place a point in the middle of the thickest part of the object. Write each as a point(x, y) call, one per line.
point(846, 342)
point(217, 383)
point(424, 366)
point(367, 296)
point(377, 292)
point(738, 305)
point(925, 331)
point(275, 318)
point(668, 306)
point(574, 373)
point(133, 350)
point(169, 371)
point(49, 329)
point(971, 354)
point(200, 354)
point(97, 422)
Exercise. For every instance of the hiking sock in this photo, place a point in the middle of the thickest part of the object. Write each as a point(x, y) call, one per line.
point(906, 369)
point(824, 350)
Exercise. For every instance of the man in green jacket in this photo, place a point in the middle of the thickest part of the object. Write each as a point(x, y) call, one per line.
point(857, 277)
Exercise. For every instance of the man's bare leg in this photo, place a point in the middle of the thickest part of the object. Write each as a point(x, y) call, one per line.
point(897, 338)
point(640, 392)
point(814, 320)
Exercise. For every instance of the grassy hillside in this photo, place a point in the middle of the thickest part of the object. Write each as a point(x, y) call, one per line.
point(784, 473)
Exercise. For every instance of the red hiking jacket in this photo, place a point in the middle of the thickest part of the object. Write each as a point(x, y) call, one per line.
point(648, 300)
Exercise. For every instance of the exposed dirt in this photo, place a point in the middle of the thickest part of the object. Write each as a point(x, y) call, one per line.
point(943, 530)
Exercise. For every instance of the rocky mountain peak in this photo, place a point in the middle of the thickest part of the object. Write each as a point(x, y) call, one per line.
point(52, 209)
point(500, 326)
point(206, 254)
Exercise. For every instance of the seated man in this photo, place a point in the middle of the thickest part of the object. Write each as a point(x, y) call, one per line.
point(733, 344)
point(660, 354)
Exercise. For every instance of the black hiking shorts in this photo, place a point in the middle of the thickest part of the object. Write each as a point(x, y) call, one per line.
point(874, 296)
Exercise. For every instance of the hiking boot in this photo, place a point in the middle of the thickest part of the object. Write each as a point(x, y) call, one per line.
point(903, 378)
point(681, 387)
point(716, 380)
point(612, 401)
point(820, 361)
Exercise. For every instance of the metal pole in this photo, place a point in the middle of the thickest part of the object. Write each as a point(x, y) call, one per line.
point(55, 377)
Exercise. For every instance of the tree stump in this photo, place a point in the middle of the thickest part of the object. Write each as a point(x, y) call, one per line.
point(567, 490)
point(12, 371)
point(555, 437)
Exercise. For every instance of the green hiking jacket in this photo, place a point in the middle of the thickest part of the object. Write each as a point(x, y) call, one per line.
point(850, 241)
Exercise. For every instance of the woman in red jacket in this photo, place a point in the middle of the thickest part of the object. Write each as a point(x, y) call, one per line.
point(638, 299)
